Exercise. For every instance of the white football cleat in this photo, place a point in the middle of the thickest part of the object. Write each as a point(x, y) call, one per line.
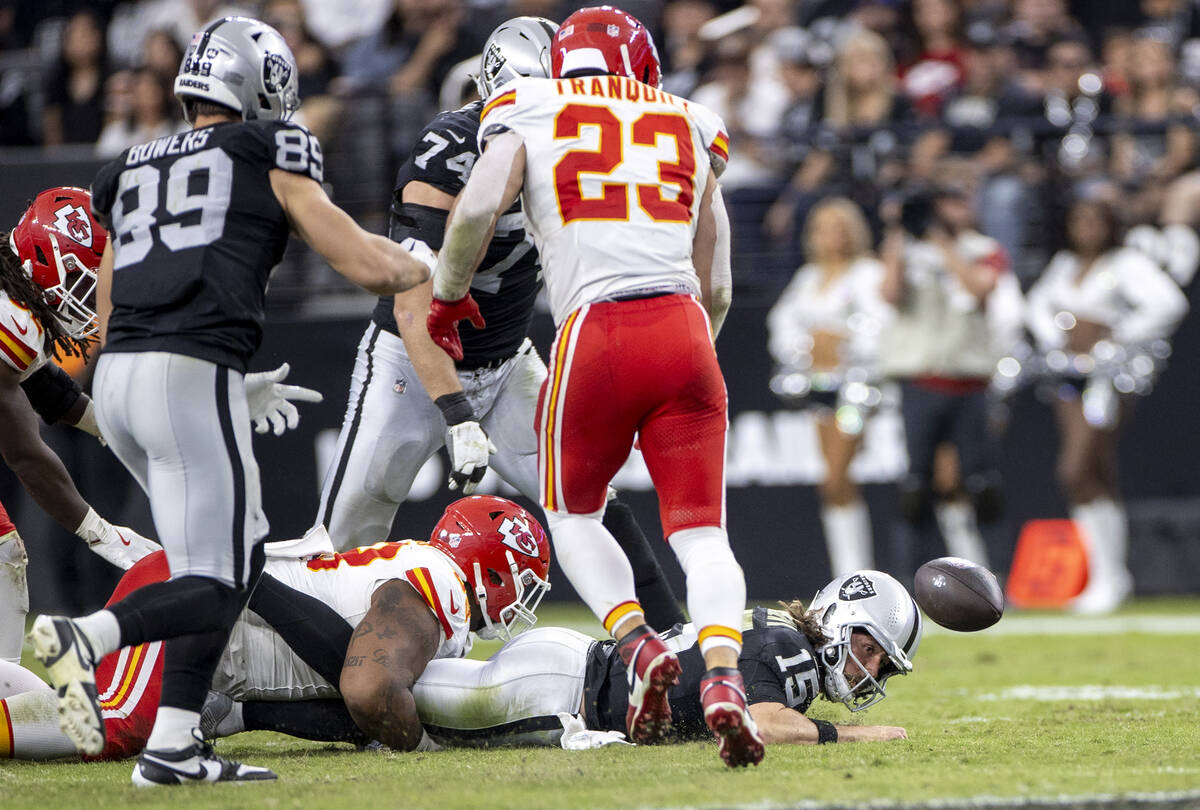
point(196, 763)
point(68, 660)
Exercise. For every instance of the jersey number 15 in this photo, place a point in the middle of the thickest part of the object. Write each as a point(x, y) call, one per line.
point(613, 204)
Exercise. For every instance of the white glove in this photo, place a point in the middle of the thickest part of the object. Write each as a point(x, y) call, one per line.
point(578, 737)
point(271, 403)
point(119, 545)
point(469, 448)
point(421, 252)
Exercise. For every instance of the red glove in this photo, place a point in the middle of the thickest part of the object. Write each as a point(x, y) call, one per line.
point(443, 322)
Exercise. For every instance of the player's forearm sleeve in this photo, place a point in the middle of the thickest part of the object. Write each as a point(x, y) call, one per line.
point(316, 632)
point(52, 392)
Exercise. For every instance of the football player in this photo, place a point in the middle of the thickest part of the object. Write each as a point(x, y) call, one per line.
point(197, 220)
point(48, 268)
point(402, 605)
point(408, 398)
point(619, 187)
point(859, 630)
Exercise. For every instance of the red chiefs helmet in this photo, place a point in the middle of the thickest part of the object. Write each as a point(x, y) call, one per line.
point(607, 39)
point(503, 554)
point(60, 245)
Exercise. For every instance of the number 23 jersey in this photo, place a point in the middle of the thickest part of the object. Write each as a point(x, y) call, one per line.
point(615, 171)
point(196, 230)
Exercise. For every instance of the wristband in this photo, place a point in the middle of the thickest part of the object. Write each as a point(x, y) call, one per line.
point(92, 528)
point(826, 732)
point(455, 407)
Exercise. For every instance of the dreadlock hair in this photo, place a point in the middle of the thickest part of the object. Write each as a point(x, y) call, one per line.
point(24, 292)
point(807, 622)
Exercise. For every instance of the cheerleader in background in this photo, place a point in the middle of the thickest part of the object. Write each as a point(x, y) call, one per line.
point(1095, 304)
point(824, 330)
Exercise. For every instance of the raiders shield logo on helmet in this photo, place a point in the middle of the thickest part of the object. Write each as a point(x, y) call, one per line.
point(856, 587)
point(276, 72)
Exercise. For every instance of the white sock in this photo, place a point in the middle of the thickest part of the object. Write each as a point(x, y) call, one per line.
point(33, 718)
point(15, 679)
point(14, 597)
point(101, 631)
point(716, 587)
point(1106, 534)
point(848, 537)
point(956, 519)
point(173, 729)
point(595, 565)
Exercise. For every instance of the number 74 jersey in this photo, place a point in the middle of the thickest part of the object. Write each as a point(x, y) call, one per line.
point(615, 171)
point(196, 230)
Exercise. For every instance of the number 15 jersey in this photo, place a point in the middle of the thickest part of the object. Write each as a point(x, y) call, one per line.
point(196, 230)
point(614, 174)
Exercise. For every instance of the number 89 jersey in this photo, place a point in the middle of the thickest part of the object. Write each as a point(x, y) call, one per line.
point(614, 174)
point(196, 230)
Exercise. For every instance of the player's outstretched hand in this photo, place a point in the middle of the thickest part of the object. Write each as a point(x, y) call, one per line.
point(469, 448)
point(122, 546)
point(271, 402)
point(578, 737)
point(443, 322)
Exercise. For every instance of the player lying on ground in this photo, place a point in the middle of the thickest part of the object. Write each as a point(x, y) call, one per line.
point(394, 607)
point(859, 630)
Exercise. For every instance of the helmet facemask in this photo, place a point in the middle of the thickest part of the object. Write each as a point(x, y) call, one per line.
point(870, 689)
point(518, 616)
point(73, 298)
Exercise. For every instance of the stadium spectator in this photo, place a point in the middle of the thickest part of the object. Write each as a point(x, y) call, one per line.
point(162, 54)
point(74, 111)
point(320, 108)
point(938, 67)
point(1097, 305)
point(939, 275)
point(150, 114)
point(684, 52)
point(827, 326)
point(1036, 26)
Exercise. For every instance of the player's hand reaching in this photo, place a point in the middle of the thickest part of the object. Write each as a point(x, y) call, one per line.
point(119, 545)
point(443, 322)
point(271, 402)
point(469, 448)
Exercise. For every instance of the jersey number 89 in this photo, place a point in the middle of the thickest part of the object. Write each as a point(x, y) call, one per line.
point(613, 204)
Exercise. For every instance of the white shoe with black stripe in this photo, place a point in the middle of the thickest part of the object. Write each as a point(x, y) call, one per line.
point(70, 665)
point(196, 763)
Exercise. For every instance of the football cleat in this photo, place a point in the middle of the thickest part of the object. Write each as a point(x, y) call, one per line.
point(196, 763)
point(652, 669)
point(723, 697)
point(220, 716)
point(68, 659)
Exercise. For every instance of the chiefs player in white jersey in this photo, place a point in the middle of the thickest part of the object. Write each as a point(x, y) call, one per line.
point(619, 191)
point(483, 570)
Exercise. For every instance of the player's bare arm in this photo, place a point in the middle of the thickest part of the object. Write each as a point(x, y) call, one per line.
point(434, 367)
point(778, 723)
point(375, 263)
point(389, 650)
point(493, 187)
point(33, 462)
point(710, 254)
point(104, 289)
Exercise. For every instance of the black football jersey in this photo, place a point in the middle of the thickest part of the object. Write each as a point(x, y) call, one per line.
point(508, 277)
point(778, 665)
point(196, 231)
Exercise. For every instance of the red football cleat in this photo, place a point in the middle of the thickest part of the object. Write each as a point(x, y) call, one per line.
point(652, 669)
point(723, 696)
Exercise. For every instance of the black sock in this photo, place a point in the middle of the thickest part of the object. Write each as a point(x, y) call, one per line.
point(650, 583)
point(180, 607)
point(321, 720)
point(316, 632)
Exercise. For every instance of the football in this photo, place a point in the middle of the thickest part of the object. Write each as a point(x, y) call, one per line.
point(959, 594)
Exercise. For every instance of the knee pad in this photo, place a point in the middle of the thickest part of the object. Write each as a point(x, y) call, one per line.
point(916, 500)
point(987, 496)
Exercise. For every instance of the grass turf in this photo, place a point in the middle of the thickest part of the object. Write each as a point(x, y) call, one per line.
point(980, 712)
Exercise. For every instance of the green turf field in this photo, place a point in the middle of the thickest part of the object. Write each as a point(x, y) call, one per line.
point(1041, 706)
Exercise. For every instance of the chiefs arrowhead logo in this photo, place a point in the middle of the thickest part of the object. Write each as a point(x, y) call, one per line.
point(856, 587)
point(517, 536)
point(75, 222)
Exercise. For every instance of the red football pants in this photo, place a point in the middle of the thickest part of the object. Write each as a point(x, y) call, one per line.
point(6, 524)
point(643, 368)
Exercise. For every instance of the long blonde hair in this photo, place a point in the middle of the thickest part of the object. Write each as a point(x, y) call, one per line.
point(841, 109)
point(852, 220)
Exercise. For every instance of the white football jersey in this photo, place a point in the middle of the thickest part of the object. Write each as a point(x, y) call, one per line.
point(258, 664)
point(614, 174)
point(22, 339)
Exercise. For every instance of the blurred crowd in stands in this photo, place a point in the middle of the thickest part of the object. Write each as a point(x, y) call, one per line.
point(1025, 105)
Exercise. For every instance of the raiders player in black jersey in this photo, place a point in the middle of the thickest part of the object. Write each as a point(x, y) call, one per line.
point(197, 221)
point(408, 398)
point(859, 630)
